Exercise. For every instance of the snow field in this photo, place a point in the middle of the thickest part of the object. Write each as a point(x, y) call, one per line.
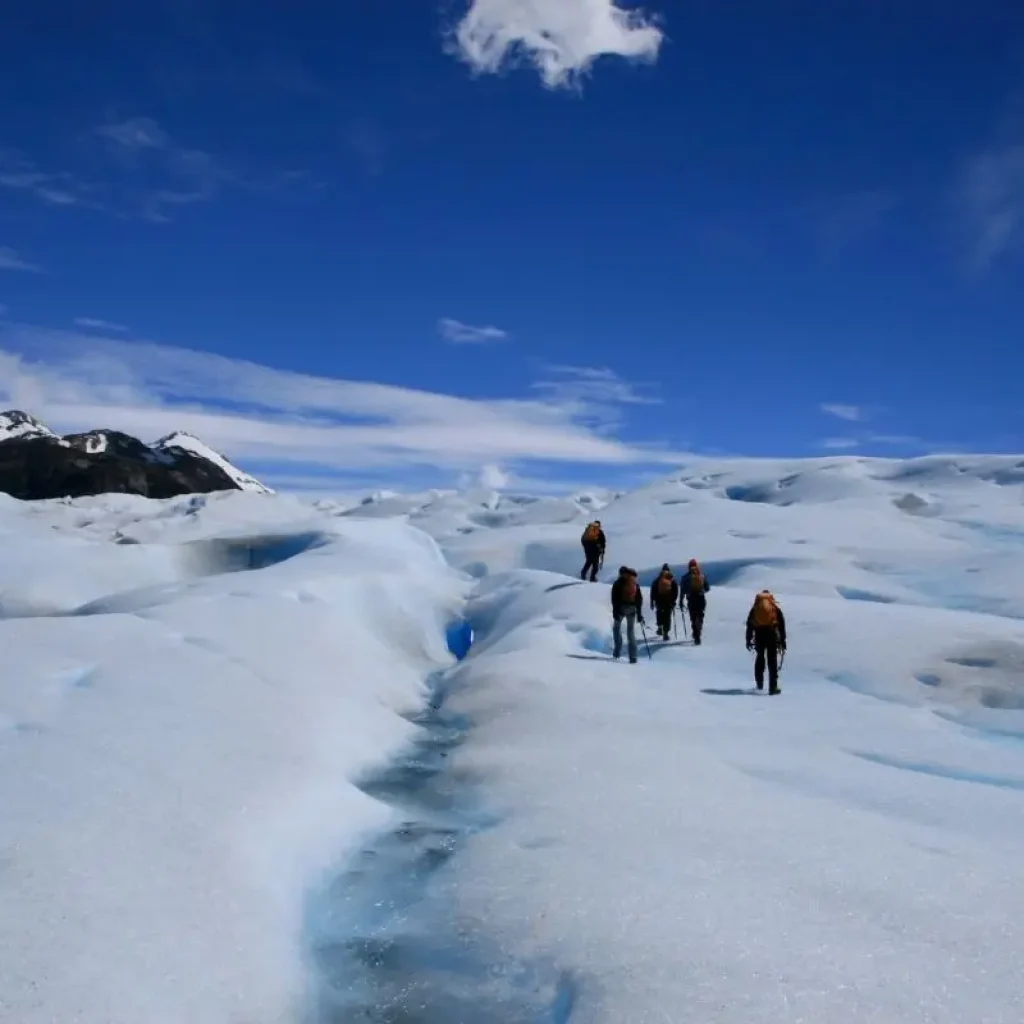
point(174, 758)
point(689, 851)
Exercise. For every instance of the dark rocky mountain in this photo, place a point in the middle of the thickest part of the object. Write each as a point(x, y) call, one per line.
point(36, 463)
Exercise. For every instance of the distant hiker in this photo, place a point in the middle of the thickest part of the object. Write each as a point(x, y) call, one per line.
point(664, 594)
point(593, 541)
point(766, 633)
point(628, 604)
point(693, 594)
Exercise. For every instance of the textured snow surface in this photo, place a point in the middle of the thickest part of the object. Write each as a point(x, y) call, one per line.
point(192, 689)
point(179, 722)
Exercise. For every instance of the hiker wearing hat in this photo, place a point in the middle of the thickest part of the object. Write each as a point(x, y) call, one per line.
point(692, 595)
point(593, 541)
point(664, 593)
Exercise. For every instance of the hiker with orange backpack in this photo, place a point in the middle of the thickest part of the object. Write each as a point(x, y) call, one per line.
point(593, 541)
point(693, 595)
point(628, 604)
point(664, 593)
point(766, 633)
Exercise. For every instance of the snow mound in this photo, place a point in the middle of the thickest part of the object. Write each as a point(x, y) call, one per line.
point(181, 720)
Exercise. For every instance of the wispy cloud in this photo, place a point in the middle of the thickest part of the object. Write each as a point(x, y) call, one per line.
point(988, 191)
point(595, 395)
point(136, 133)
point(91, 323)
point(259, 415)
point(839, 443)
point(146, 173)
point(991, 202)
point(850, 413)
point(458, 333)
point(561, 38)
point(55, 189)
point(11, 260)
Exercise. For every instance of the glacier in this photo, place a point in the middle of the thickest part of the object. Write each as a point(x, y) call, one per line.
point(251, 767)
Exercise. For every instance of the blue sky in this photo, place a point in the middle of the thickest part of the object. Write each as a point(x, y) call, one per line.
point(373, 241)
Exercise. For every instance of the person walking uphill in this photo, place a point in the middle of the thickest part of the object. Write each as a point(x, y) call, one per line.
point(693, 593)
point(664, 593)
point(766, 633)
point(628, 604)
point(593, 541)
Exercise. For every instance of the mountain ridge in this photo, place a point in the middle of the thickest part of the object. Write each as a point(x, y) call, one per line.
point(37, 463)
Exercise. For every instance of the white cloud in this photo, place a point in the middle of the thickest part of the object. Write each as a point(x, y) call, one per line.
point(991, 203)
point(459, 333)
point(839, 443)
point(562, 38)
point(10, 260)
point(135, 133)
point(150, 175)
point(301, 423)
point(91, 323)
point(851, 413)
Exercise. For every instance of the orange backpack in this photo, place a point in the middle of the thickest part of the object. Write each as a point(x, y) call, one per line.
point(765, 611)
point(665, 583)
point(696, 581)
point(592, 533)
point(629, 589)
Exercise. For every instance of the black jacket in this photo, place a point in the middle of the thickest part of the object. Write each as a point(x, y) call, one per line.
point(769, 635)
point(599, 543)
point(619, 604)
point(664, 600)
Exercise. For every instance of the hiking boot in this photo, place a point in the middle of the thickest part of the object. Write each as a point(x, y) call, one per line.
point(773, 691)
point(632, 661)
point(760, 686)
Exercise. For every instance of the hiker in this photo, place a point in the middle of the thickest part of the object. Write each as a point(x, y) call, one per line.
point(693, 594)
point(593, 541)
point(766, 633)
point(664, 593)
point(628, 604)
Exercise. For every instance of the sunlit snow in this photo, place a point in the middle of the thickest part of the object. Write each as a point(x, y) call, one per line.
point(242, 777)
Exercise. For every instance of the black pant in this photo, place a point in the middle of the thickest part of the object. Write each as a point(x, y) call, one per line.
point(766, 644)
point(696, 609)
point(663, 614)
point(593, 554)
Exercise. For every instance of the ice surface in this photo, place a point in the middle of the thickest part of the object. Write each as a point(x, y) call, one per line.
point(223, 787)
point(178, 744)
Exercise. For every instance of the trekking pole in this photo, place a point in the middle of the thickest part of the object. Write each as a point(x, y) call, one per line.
point(675, 634)
point(686, 632)
point(643, 629)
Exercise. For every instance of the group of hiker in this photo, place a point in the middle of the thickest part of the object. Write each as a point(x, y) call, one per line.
point(766, 624)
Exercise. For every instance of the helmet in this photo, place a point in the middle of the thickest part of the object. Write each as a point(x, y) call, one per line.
point(693, 563)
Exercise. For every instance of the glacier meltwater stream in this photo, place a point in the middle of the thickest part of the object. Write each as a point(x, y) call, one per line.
point(389, 947)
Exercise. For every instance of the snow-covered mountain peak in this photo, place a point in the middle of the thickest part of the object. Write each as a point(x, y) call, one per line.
point(185, 441)
point(17, 424)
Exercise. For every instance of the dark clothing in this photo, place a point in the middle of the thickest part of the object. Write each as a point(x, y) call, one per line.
point(767, 642)
point(767, 650)
point(593, 550)
point(692, 592)
point(663, 614)
point(692, 598)
point(665, 604)
point(697, 619)
point(593, 562)
point(619, 604)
